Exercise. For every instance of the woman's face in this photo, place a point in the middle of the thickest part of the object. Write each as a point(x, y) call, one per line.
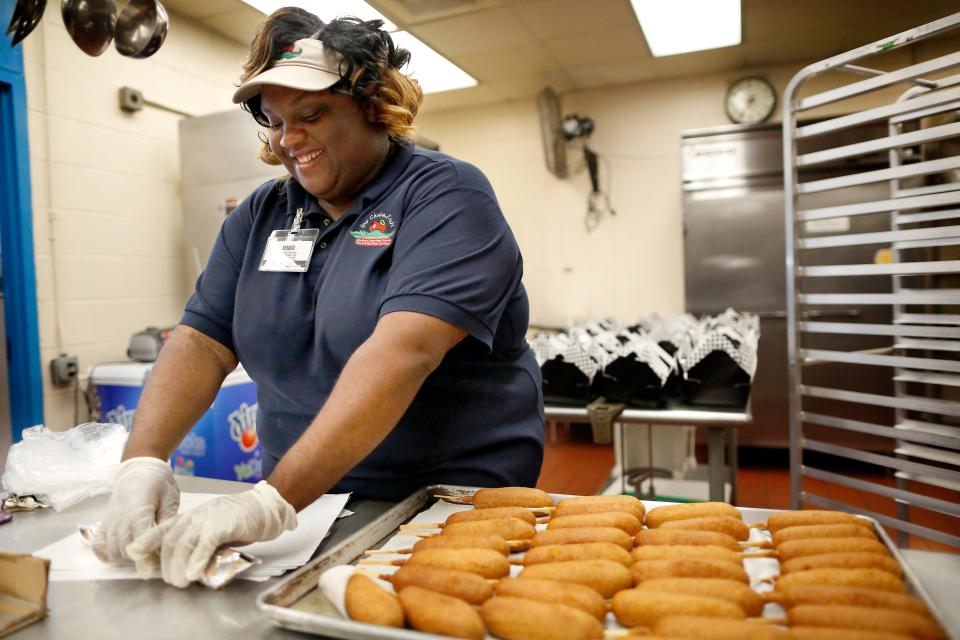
point(325, 141)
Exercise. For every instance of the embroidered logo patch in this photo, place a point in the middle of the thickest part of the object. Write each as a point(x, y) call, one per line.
point(290, 52)
point(376, 230)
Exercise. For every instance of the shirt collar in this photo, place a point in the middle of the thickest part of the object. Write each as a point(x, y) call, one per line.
point(392, 169)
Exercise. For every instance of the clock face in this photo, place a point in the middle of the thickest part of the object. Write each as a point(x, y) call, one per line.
point(750, 100)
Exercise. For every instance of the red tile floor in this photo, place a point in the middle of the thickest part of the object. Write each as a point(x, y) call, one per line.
point(577, 466)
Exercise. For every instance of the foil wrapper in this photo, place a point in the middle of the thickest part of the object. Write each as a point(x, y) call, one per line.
point(226, 564)
point(13, 502)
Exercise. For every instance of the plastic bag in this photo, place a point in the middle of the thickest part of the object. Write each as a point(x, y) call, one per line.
point(65, 467)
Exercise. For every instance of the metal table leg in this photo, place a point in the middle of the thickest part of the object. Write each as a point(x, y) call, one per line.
point(734, 465)
point(715, 463)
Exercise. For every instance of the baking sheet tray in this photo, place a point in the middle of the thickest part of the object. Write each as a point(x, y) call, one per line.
point(297, 603)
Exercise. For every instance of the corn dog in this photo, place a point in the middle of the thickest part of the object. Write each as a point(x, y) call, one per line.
point(513, 618)
point(854, 596)
point(606, 577)
point(828, 633)
point(668, 551)
point(852, 560)
point(490, 513)
point(740, 594)
point(568, 593)
point(717, 629)
point(864, 578)
point(662, 536)
point(368, 602)
point(688, 568)
point(785, 519)
point(506, 528)
point(865, 619)
point(461, 541)
point(619, 520)
point(599, 504)
point(822, 531)
point(658, 516)
point(483, 562)
point(724, 524)
point(579, 535)
point(643, 608)
point(463, 585)
point(434, 612)
point(582, 551)
point(818, 546)
point(504, 497)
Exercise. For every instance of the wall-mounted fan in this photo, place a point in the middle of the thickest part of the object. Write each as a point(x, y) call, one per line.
point(558, 134)
point(554, 143)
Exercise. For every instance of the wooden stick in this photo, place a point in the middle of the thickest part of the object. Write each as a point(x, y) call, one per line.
point(456, 499)
point(759, 554)
point(370, 552)
point(381, 563)
point(760, 544)
point(424, 525)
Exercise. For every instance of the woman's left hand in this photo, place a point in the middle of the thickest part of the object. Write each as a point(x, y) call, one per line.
point(186, 543)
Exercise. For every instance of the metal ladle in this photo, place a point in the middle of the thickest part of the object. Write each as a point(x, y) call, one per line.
point(141, 28)
point(26, 16)
point(90, 23)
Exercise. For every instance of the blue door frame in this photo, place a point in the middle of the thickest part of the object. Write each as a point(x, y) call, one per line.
point(16, 239)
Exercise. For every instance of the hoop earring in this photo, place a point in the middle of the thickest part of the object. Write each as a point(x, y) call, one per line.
point(262, 137)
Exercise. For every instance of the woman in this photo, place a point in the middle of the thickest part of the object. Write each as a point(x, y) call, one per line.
point(374, 296)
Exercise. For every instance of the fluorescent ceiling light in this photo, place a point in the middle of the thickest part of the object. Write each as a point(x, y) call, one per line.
point(681, 26)
point(434, 72)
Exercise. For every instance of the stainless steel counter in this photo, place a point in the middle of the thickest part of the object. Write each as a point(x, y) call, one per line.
point(135, 609)
point(124, 609)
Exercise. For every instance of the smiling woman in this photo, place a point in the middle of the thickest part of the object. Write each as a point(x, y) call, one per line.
point(374, 295)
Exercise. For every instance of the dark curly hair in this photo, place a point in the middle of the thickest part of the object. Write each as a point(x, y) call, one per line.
point(370, 71)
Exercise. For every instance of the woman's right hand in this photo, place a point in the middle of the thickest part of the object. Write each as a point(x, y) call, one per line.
point(144, 494)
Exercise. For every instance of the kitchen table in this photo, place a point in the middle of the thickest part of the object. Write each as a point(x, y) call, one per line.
point(130, 609)
point(721, 425)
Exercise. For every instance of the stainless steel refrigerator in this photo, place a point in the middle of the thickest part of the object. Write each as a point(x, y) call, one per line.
point(219, 168)
point(733, 208)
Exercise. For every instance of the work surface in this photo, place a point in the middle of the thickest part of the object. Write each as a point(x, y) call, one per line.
point(151, 609)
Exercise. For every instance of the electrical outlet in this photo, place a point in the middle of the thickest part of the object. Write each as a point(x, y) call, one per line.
point(63, 369)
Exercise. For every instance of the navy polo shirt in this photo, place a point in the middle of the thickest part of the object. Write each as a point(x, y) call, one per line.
point(426, 235)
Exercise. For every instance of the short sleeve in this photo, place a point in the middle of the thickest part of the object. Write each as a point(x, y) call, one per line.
point(210, 309)
point(454, 256)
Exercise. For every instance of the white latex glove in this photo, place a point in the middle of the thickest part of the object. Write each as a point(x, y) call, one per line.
point(186, 543)
point(144, 493)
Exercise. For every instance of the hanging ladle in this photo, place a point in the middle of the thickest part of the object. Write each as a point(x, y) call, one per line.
point(26, 16)
point(90, 23)
point(141, 28)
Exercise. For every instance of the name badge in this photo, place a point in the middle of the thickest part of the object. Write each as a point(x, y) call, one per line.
point(289, 250)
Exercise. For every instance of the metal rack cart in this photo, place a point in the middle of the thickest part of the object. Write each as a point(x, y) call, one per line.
point(895, 287)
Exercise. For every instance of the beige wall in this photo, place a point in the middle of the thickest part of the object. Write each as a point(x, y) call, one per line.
point(105, 183)
point(632, 264)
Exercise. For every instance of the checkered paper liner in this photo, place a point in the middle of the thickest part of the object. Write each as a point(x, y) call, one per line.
point(732, 333)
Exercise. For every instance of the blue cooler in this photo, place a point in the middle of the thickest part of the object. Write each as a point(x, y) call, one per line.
point(223, 444)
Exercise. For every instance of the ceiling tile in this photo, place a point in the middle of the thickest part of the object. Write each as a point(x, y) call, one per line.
point(799, 46)
point(594, 48)
point(240, 24)
point(475, 32)
point(557, 18)
point(508, 62)
point(614, 73)
point(529, 86)
point(471, 97)
point(409, 13)
point(204, 9)
point(701, 62)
